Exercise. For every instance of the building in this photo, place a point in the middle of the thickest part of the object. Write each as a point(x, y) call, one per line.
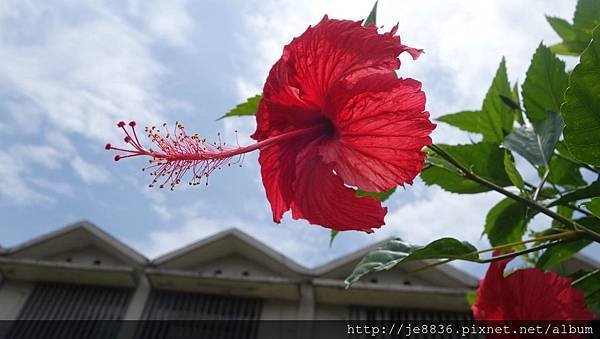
point(81, 272)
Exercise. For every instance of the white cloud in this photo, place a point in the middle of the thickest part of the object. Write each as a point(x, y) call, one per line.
point(13, 187)
point(20, 181)
point(75, 69)
point(166, 19)
point(89, 172)
point(440, 214)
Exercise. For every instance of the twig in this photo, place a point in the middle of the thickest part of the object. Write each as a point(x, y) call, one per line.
point(467, 173)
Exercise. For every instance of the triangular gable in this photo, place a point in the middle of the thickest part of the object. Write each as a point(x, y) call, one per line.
point(78, 243)
point(440, 276)
point(230, 248)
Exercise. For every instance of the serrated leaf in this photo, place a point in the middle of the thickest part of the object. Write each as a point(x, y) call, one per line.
point(556, 254)
point(506, 222)
point(593, 206)
point(562, 27)
point(576, 36)
point(545, 84)
point(593, 190)
point(581, 110)
point(565, 48)
point(537, 144)
point(381, 196)
point(249, 107)
point(512, 172)
point(561, 252)
point(587, 15)
point(496, 118)
point(397, 251)
point(466, 120)
point(372, 18)
point(485, 159)
point(590, 285)
point(565, 173)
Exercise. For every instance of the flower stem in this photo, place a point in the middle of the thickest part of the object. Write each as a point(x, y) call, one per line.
point(467, 173)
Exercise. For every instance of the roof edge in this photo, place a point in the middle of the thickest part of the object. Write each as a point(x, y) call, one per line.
point(89, 227)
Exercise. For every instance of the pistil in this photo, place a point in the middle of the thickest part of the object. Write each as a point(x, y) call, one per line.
point(180, 153)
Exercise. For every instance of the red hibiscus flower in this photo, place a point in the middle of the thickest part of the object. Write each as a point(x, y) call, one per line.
point(528, 294)
point(333, 118)
point(340, 76)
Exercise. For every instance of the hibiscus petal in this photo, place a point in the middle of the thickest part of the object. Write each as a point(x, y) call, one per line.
point(528, 294)
point(281, 108)
point(382, 129)
point(339, 50)
point(490, 294)
point(321, 197)
point(330, 52)
point(536, 295)
point(278, 171)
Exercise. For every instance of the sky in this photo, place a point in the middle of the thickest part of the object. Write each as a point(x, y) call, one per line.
point(71, 70)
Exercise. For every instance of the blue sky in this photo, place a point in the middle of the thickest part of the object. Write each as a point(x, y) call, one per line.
point(69, 71)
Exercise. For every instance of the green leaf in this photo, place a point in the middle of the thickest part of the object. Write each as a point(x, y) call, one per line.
point(565, 212)
point(561, 252)
point(593, 206)
point(576, 36)
point(246, 108)
point(562, 27)
point(590, 285)
point(565, 48)
point(496, 118)
point(590, 191)
point(565, 173)
point(512, 172)
point(587, 16)
point(581, 110)
point(485, 159)
point(471, 297)
point(517, 100)
point(545, 84)
point(397, 251)
point(466, 120)
point(506, 222)
point(333, 234)
point(510, 102)
point(372, 18)
point(537, 144)
point(381, 196)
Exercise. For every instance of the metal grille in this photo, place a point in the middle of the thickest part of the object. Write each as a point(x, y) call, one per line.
point(395, 314)
point(385, 316)
point(72, 302)
point(188, 308)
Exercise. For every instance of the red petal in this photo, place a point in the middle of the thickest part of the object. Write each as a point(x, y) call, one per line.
point(528, 294)
point(281, 108)
point(536, 295)
point(278, 170)
point(321, 197)
point(382, 130)
point(331, 52)
point(488, 305)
